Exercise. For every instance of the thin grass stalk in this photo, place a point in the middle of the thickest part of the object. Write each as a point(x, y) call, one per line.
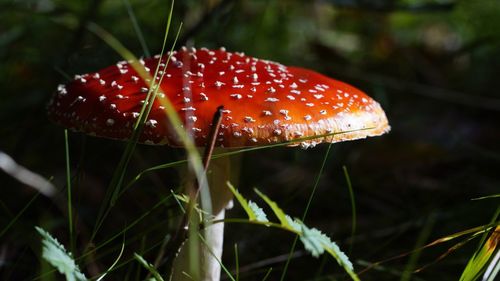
point(69, 195)
point(137, 28)
point(304, 215)
point(353, 206)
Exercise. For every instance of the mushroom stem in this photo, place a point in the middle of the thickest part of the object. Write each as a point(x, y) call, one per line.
point(209, 258)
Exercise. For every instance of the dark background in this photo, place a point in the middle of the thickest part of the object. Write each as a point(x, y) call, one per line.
point(433, 66)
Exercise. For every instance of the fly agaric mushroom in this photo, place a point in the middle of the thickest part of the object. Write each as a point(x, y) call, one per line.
point(264, 102)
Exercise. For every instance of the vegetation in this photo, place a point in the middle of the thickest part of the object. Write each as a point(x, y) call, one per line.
point(421, 203)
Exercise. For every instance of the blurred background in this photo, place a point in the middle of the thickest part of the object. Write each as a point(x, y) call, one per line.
point(433, 65)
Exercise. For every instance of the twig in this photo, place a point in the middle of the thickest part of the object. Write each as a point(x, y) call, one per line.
point(180, 236)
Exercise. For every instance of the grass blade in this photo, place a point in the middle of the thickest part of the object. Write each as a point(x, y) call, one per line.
point(114, 263)
point(68, 186)
point(149, 267)
point(137, 29)
point(478, 263)
point(353, 205)
point(311, 196)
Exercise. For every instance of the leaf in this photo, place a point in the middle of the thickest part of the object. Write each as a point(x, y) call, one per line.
point(149, 267)
point(282, 217)
point(259, 213)
point(252, 213)
point(55, 254)
point(317, 242)
point(294, 224)
point(478, 262)
point(312, 243)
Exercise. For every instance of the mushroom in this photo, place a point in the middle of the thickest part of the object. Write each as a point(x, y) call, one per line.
point(264, 103)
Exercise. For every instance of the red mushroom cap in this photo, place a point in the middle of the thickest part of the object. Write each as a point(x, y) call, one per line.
point(264, 102)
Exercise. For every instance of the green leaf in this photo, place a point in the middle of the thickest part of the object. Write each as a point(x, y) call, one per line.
point(243, 202)
point(259, 213)
point(294, 224)
point(149, 267)
point(55, 254)
point(282, 217)
point(317, 242)
point(479, 261)
point(312, 241)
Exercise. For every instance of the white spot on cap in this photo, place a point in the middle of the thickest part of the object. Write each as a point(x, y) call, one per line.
point(267, 112)
point(102, 98)
point(277, 132)
point(272, 100)
point(188, 108)
point(61, 89)
point(271, 90)
point(236, 96)
point(151, 123)
point(110, 122)
point(307, 117)
point(218, 84)
point(249, 119)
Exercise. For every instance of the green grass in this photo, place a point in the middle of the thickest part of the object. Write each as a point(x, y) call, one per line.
point(108, 251)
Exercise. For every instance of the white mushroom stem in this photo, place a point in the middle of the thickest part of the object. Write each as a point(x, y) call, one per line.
point(209, 258)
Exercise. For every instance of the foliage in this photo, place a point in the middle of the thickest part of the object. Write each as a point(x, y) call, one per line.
point(315, 242)
point(433, 65)
point(478, 263)
point(57, 256)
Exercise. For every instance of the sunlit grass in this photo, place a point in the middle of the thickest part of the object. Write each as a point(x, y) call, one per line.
point(117, 187)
